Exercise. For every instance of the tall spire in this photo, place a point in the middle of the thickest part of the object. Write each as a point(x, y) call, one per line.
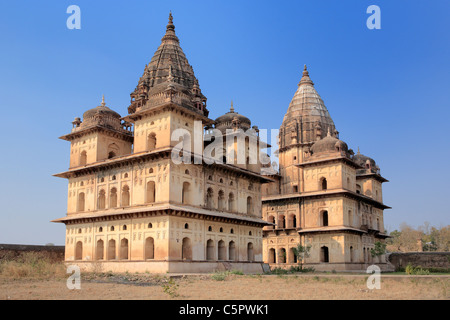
point(305, 78)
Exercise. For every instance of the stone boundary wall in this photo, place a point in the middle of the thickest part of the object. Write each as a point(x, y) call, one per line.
point(10, 251)
point(422, 259)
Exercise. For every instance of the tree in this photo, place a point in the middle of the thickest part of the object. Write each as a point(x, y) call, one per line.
point(380, 249)
point(301, 252)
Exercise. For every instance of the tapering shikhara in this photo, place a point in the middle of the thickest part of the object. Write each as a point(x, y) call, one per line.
point(130, 208)
point(324, 195)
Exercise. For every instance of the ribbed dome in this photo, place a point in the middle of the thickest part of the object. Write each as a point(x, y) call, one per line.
point(329, 144)
point(168, 69)
point(307, 115)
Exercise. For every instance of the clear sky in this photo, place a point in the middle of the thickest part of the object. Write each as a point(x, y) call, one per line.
point(387, 90)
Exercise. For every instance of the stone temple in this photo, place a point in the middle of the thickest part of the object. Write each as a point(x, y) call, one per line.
point(138, 202)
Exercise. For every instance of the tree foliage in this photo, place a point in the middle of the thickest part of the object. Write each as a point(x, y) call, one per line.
point(425, 237)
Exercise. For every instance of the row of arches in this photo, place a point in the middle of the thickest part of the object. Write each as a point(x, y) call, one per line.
point(282, 256)
point(226, 203)
point(108, 251)
point(113, 197)
point(283, 223)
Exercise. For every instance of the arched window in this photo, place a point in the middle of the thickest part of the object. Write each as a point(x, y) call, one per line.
point(149, 248)
point(113, 150)
point(231, 202)
point(324, 219)
point(83, 158)
point(323, 184)
point(232, 251)
point(151, 192)
point(292, 256)
point(124, 249)
point(124, 227)
point(81, 201)
point(209, 198)
point(113, 198)
point(324, 255)
point(101, 200)
point(210, 250)
point(282, 222)
point(221, 200)
point(209, 228)
point(186, 249)
point(271, 219)
point(186, 226)
point(272, 256)
point(149, 226)
point(231, 230)
point(79, 251)
point(111, 249)
point(350, 217)
point(282, 256)
point(100, 229)
point(222, 251)
point(351, 254)
point(221, 229)
point(111, 229)
point(100, 249)
point(186, 171)
point(186, 193)
point(250, 253)
point(151, 141)
point(249, 205)
point(125, 196)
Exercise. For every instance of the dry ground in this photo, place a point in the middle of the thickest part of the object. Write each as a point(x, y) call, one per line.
point(41, 276)
point(227, 287)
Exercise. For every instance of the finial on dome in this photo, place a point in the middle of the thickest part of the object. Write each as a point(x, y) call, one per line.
point(328, 133)
point(358, 151)
point(103, 100)
point(305, 77)
point(170, 17)
point(231, 108)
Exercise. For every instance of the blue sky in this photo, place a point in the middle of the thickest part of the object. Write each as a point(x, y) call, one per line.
point(387, 90)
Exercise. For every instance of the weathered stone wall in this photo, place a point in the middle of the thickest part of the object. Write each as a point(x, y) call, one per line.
point(422, 259)
point(10, 251)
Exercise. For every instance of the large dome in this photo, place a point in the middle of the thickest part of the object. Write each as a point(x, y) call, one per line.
point(307, 117)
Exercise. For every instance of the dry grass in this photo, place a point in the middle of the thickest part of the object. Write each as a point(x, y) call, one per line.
point(35, 265)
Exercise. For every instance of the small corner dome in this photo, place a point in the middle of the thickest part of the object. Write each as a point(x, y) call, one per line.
point(362, 160)
point(329, 144)
point(226, 121)
point(100, 110)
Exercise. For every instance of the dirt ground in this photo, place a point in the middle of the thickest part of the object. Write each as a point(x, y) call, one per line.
point(227, 287)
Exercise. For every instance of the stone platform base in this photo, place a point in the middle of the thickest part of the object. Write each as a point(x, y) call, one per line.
point(168, 266)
